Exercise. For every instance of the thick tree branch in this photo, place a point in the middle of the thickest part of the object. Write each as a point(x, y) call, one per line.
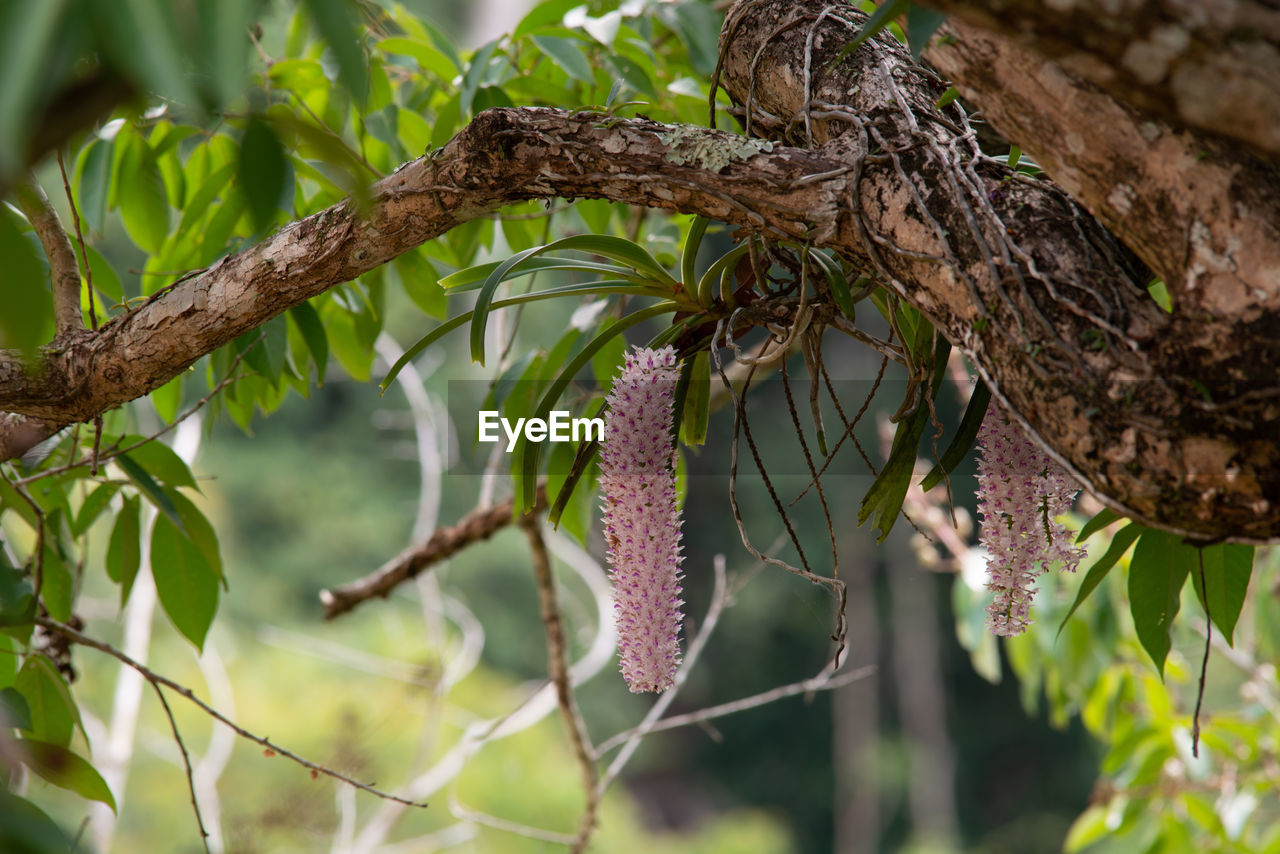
point(1213, 67)
point(1136, 403)
point(1204, 215)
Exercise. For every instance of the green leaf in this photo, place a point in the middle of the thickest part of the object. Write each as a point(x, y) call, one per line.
point(105, 280)
point(307, 319)
point(427, 57)
point(839, 283)
point(420, 281)
point(92, 181)
point(922, 23)
point(475, 76)
point(611, 247)
point(966, 435)
point(65, 769)
point(698, 26)
point(527, 453)
point(144, 208)
point(689, 257)
point(200, 532)
point(142, 36)
point(26, 321)
point(53, 713)
point(124, 551)
point(879, 19)
point(697, 402)
point(547, 12)
point(28, 35)
point(161, 461)
point(168, 398)
point(25, 829)
point(149, 488)
point(92, 506)
point(1157, 572)
point(263, 172)
point(56, 591)
point(884, 498)
point(1120, 543)
point(14, 711)
point(472, 278)
point(185, 583)
point(1104, 517)
point(1227, 568)
point(567, 54)
point(339, 25)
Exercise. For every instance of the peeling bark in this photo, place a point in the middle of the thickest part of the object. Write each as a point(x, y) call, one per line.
point(1213, 67)
point(1050, 308)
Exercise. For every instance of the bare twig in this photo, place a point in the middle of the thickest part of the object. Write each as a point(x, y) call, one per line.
point(475, 526)
point(156, 679)
point(186, 763)
point(86, 271)
point(63, 270)
point(558, 668)
point(1204, 664)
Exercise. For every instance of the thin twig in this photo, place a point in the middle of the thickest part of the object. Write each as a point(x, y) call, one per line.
point(155, 678)
point(186, 763)
point(86, 271)
point(480, 524)
point(558, 668)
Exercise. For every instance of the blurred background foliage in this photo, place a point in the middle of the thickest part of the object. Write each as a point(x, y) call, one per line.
point(257, 113)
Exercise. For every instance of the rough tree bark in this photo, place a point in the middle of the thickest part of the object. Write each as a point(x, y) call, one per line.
point(1170, 418)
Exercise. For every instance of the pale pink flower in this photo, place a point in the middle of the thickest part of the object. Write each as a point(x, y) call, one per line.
point(642, 517)
point(1020, 491)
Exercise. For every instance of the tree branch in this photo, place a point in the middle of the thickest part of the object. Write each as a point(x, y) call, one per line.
point(63, 269)
point(1213, 67)
point(479, 524)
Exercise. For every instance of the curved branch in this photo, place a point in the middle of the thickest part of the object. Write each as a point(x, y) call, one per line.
point(64, 272)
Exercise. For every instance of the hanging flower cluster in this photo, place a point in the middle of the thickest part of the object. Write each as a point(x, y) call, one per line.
point(1020, 491)
point(642, 518)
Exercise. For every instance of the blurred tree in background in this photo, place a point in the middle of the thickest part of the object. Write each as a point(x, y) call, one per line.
point(250, 208)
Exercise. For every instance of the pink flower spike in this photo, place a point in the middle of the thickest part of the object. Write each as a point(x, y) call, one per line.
point(642, 518)
point(1020, 491)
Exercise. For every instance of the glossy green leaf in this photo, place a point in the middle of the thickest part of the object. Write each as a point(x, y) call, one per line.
point(837, 281)
point(105, 279)
point(93, 181)
point(57, 588)
point(697, 402)
point(922, 23)
point(124, 549)
point(147, 485)
point(567, 54)
point(689, 256)
point(54, 716)
point(201, 533)
point(420, 281)
point(427, 56)
point(962, 442)
point(878, 20)
point(14, 711)
point(25, 829)
point(1158, 570)
point(65, 769)
point(161, 462)
point(263, 172)
point(1101, 519)
point(611, 247)
point(472, 278)
point(307, 319)
point(200, 201)
point(26, 320)
point(884, 499)
point(475, 76)
point(144, 207)
point(186, 585)
point(168, 398)
point(1227, 569)
point(340, 26)
point(92, 506)
point(1120, 543)
point(527, 453)
point(544, 13)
